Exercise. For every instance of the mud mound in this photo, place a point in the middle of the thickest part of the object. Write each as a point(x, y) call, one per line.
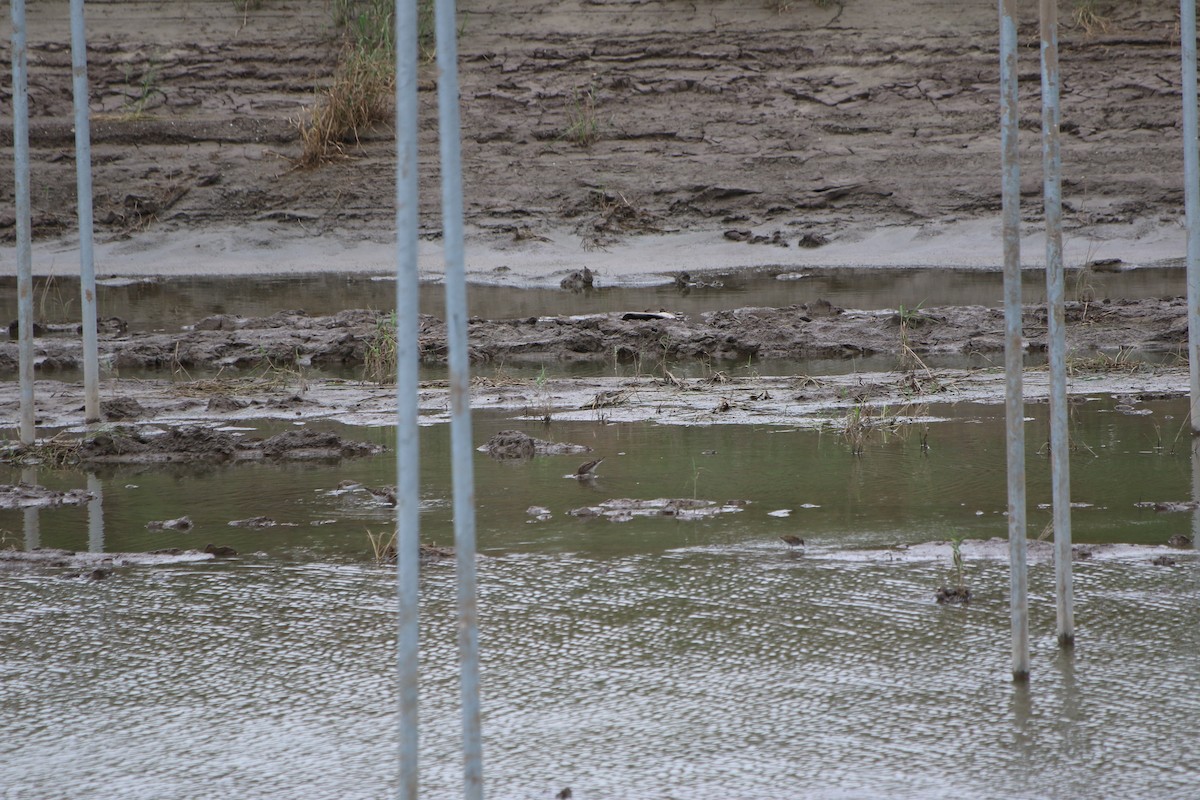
point(198, 443)
point(517, 444)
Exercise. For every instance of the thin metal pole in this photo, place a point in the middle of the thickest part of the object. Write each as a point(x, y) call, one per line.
point(83, 183)
point(1191, 192)
point(1060, 457)
point(462, 451)
point(408, 539)
point(1013, 355)
point(24, 223)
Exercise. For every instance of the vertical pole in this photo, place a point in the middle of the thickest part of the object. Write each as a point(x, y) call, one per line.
point(24, 222)
point(462, 451)
point(1013, 355)
point(83, 183)
point(407, 439)
point(1060, 458)
point(1191, 191)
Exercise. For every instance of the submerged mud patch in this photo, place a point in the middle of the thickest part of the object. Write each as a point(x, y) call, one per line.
point(190, 443)
point(23, 495)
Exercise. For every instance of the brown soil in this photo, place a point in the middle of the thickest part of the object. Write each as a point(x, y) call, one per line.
point(728, 133)
point(770, 127)
point(816, 330)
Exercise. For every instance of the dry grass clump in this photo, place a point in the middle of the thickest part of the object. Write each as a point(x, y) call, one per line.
point(361, 95)
point(365, 78)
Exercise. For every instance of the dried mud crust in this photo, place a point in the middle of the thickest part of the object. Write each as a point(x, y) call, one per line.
point(816, 121)
point(815, 330)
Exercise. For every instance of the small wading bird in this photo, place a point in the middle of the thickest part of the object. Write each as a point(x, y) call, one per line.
point(587, 472)
point(792, 541)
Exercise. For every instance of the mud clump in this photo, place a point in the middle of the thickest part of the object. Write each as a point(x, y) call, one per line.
point(23, 495)
point(950, 595)
point(121, 408)
point(305, 445)
point(520, 445)
point(197, 443)
point(813, 330)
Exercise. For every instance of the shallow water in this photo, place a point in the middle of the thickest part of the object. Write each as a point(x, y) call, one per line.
point(658, 657)
point(167, 304)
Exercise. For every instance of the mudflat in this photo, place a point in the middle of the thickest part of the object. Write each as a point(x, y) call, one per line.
point(722, 134)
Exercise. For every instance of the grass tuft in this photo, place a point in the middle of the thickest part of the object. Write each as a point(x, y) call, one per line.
point(364, 80)
point(379, 358)
point(583, 127)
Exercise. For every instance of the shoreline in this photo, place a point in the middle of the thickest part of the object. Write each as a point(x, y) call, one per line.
point(645, 259)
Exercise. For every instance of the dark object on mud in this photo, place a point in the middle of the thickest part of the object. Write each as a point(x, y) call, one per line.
point(578, 281)
point(1179, 540)
point(177, 524)
point(683, 280)
point(791, 540)
point(220, 551)
point(812, 240)
point(1082, 552)
point(121, 408)
point(1164, 561)
point(565, 794)
point(633, 316)
point(953, 594)
point(587, 470)
point(1104, 265)
point(167, 551)
point(99, 574)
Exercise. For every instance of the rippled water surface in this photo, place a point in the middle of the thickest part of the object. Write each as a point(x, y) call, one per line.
point(653, 658)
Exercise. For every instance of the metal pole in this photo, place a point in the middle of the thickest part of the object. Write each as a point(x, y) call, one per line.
point(24, 226)
point(408, 539)
point(462, 451)
point(1060, 457)
point(83, 182)
point(1013, 355)
point(1191, 191)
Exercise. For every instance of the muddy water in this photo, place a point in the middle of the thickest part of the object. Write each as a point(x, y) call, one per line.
point(658, 657)
point(166, 304)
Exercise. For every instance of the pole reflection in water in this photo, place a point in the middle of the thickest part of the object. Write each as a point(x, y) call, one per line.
point(1196, 490)
point(95, 514)
point(33, 535)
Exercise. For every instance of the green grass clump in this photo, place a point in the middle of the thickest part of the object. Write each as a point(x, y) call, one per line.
point(379, 359)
